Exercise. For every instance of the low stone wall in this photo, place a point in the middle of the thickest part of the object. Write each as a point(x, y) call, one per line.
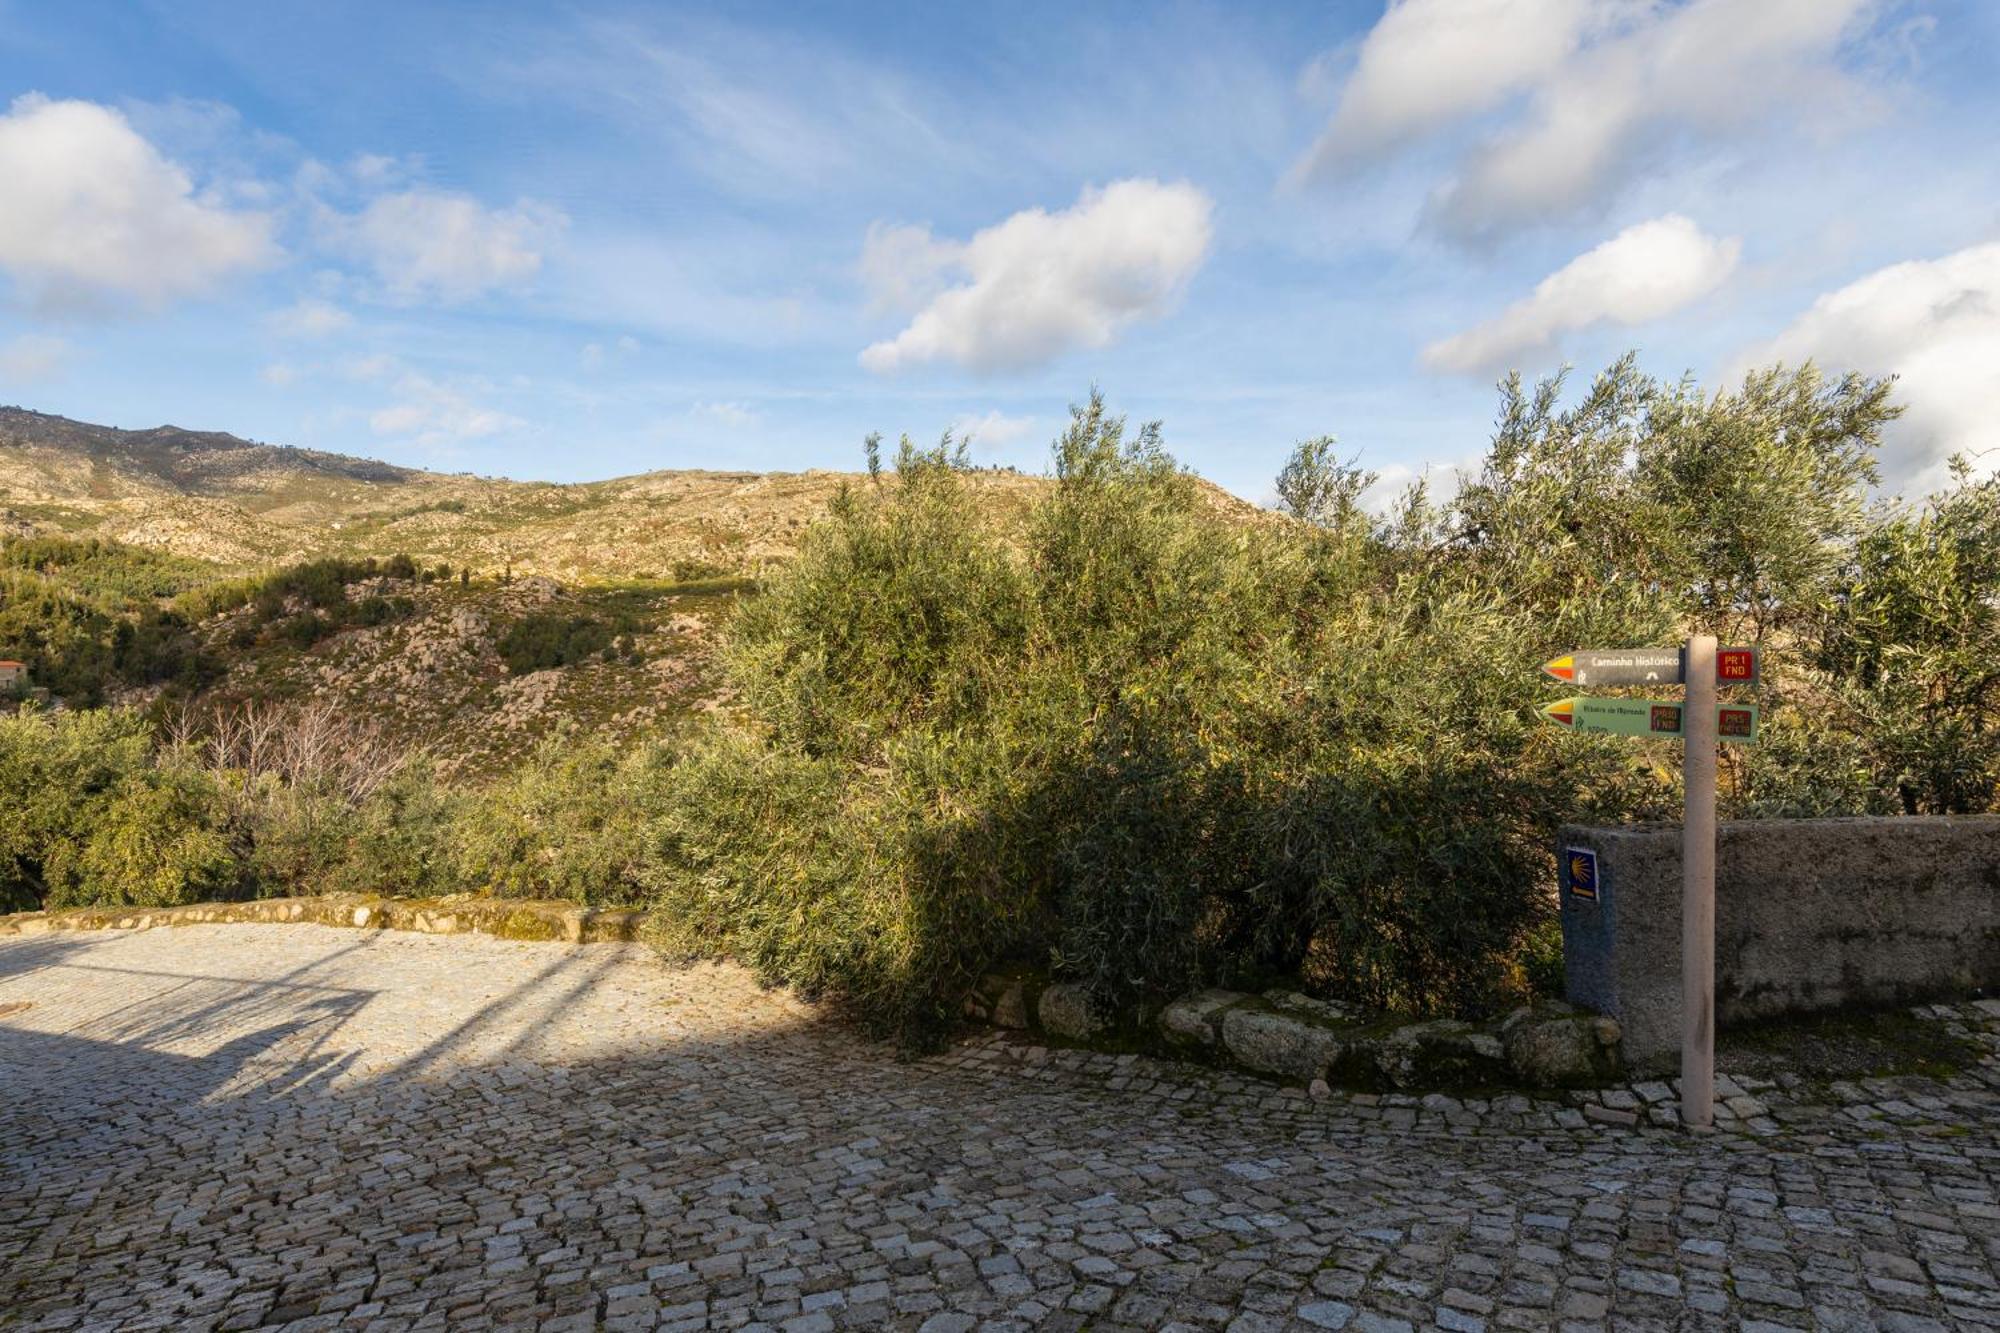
point(511, 918)
point(1321, 1044)
point(1810, 915)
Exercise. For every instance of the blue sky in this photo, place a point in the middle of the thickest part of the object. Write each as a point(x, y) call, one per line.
point(579, 241)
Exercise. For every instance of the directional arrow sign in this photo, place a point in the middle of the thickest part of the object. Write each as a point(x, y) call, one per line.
point(1648, 717)
point(1648, 666)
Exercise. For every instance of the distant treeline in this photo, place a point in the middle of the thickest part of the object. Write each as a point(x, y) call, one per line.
point(86, 614)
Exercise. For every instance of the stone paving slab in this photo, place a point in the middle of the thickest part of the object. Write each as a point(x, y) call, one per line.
point(286, 1125)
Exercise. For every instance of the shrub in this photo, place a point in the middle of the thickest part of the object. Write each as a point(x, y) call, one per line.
point(1116, 752)
point(92, 818)
point(154, 840)
point(569, 822)
point(1909, 649)
point(542, 640)
point(57, 770)
point(1158, 747)
point(400, 838)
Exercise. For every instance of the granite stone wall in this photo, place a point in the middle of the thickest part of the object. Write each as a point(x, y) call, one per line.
point(511, 918)
point(1810, 914)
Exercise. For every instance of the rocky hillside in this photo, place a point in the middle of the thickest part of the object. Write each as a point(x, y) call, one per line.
point(509, 608)
point(245, 506)
point(445, 675)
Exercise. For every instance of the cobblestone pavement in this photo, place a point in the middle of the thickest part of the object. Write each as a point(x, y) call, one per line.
point(243, 1126)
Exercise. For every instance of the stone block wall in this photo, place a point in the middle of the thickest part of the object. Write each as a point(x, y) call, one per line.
point(1810, 914)
point(510, 918)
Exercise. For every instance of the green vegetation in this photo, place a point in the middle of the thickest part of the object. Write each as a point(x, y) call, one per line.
point(543, 640)
point(1141, 742)
point(1157, 747)
point(107, 809)
point(94, 815)
point(106, 571)
point(87, 616)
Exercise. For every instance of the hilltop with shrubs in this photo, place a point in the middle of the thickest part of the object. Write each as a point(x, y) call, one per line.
point(1143, 742)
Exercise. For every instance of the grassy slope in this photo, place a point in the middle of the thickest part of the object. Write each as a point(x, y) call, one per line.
point(246, 507)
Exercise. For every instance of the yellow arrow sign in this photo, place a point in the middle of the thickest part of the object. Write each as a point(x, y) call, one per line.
point(1647, 717)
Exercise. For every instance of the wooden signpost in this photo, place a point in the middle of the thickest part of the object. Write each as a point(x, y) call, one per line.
point(1698, 720)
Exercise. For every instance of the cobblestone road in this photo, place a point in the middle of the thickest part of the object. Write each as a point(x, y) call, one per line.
point(244, 1126)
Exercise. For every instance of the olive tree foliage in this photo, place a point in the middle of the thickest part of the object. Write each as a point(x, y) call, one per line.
point(1765, 492)
point(1908, 647)
point(93, 816)
point(1648, 508)
point(1153, 747)
point(1317, 487)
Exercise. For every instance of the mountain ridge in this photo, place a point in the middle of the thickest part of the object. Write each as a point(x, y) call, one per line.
point(243, 504)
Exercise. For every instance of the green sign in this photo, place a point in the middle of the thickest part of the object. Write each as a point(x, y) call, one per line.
point(1648, 717)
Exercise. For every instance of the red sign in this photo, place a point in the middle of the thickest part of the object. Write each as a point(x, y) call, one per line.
point(1735, 666)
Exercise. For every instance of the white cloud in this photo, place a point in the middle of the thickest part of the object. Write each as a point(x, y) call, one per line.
point(433, 413)
point(33, 357)
point(1644, 273)
point(1040, 283)
point(91, 215)
point(370, 369)
point(1583, 90)
point(1935, 324)
point(425, 243)
point(375, 169)
point(310, 319)
point(993, 429)
point(279, 374)
point(1430, 62)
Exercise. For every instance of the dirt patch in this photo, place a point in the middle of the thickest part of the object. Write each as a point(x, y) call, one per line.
point(1825, 1047)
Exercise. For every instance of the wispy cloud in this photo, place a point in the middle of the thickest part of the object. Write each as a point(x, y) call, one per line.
point(1582, 91)
point(431, 412)
point(1646, 272)
point(426, 244)
point(310, 319)
point(992, 428)
point(735, 415)
point(760, 113)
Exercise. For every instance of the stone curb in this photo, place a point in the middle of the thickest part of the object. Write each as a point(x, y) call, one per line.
point(1285, 1035)
point(509, 918)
